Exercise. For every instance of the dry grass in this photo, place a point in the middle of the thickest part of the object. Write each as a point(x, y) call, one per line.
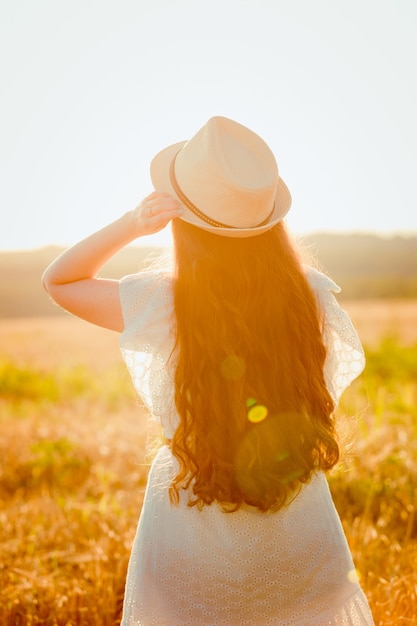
point(72, 475)
point(72, 441)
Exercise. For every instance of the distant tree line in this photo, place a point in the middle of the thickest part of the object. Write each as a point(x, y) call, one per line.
point(365, 266)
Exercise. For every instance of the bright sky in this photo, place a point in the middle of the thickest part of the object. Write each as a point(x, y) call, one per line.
point(92, 89)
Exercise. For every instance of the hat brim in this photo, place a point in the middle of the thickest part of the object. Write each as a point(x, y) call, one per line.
point(161, 181)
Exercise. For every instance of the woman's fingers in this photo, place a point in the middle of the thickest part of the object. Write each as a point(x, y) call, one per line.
point(162, 206)
point(156, 210)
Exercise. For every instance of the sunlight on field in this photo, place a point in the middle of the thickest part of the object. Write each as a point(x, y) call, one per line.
point(377, 318)
point(73, 472)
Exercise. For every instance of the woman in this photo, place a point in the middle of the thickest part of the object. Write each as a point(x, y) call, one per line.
point(241, 354)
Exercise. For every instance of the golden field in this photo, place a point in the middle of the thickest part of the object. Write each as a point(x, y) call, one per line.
point(73, 468)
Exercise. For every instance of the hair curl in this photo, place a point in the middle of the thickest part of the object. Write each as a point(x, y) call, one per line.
point(255, 413)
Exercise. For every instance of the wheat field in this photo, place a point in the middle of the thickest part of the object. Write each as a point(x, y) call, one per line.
point(74, 465)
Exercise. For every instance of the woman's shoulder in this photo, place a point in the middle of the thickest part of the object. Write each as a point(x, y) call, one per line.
point(144, 291)
point(148, 278)
point(345, 357)
point(319, 281)
point(145, 283)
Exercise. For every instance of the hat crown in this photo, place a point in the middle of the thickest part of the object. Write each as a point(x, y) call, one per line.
point(226, 179)
point(229, 173)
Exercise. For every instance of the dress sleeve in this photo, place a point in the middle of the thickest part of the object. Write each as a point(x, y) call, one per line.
point(147, 339)
point(345, 358)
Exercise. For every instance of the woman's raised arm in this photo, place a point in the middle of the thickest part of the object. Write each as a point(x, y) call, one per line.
point(71, 279)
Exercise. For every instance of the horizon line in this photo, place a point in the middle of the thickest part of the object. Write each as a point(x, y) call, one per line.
point(146, 244)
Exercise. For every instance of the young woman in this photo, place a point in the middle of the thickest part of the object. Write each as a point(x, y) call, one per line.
point(241, 353)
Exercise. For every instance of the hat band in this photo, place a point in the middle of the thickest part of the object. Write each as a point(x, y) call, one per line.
point(197, 211)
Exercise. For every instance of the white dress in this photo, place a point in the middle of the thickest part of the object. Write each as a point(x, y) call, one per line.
point(210, 568)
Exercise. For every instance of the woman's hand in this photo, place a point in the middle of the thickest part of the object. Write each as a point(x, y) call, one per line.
point(154, 213)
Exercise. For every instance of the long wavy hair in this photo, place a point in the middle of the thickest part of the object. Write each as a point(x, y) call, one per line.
point(255, 413)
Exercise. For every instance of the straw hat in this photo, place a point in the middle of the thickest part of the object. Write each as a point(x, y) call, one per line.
point(226, 179)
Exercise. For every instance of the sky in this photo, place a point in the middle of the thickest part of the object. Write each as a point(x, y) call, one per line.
point(91, 90)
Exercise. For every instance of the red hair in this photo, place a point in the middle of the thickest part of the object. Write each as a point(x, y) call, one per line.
point(248, 347)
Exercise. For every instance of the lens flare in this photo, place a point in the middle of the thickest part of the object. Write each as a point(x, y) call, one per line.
point(282, 456)
point(233, 367)
point(257, 413)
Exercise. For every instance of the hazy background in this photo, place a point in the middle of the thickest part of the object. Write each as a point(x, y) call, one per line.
point(92, 89)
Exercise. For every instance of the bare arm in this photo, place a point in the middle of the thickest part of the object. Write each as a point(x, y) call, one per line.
point(71, 279)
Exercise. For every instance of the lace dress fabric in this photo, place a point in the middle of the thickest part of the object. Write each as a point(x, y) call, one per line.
point(210, 568)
